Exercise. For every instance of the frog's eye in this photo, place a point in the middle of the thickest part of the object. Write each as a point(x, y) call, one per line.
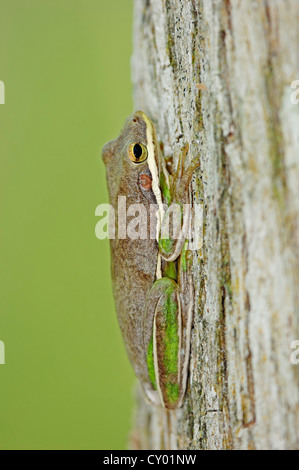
point(137, 153)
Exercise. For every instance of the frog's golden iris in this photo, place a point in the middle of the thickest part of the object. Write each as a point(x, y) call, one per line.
point(137, 153)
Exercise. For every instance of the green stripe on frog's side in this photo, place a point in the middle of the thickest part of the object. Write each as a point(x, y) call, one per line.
point(165, 188)
point(150, 364)
point(171, 342)
point(167, 341)
point(172, 391)
point(166, 245)
point(170, 270)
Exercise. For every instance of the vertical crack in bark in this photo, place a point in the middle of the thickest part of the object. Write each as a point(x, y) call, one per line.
point(274, 95)
point(198, 45)
point(171, 22)
point(249, 416)
point(225, 293)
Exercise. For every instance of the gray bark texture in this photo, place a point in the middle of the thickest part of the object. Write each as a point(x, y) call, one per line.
point(217, 74)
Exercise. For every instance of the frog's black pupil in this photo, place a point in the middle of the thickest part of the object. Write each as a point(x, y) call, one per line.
point(137, 151)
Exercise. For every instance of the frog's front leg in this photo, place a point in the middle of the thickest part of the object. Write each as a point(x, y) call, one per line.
point(176, 220)
point(162, 341)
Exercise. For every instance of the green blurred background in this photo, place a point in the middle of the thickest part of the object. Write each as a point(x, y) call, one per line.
point(67, 382)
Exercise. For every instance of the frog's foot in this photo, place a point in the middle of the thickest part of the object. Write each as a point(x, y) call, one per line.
point(182, 177)
point(176, 222)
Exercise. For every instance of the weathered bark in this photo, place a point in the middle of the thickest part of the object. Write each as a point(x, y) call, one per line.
point(217, 74)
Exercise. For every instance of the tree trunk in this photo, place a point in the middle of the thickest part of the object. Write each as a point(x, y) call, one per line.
point(217, 74)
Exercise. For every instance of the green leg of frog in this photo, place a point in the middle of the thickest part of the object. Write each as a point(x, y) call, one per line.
point(163, 334)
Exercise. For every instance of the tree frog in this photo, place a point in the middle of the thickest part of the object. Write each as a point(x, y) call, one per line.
point(151, 277)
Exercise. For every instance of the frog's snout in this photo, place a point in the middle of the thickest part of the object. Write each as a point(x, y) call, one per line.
point(108, 151)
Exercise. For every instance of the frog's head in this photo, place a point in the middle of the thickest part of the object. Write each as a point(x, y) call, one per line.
point(132, 141)
point(133, 155)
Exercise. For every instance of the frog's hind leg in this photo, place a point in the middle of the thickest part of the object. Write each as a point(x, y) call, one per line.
point(163, 335)
point(185, 280)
